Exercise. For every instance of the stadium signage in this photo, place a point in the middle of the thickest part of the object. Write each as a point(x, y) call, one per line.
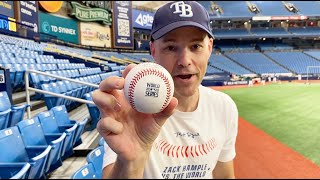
point(268, 18)
point(6, 8)
point(226, 83)
point(93, 34)
point(29, 14)
point(8, 23)
point(51, 6)
point(142, 19)
point(86, 14)
point(63, 28)
point(122, 24)
point(99, 4)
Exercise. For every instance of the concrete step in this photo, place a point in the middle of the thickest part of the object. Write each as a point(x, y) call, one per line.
point(20, 97)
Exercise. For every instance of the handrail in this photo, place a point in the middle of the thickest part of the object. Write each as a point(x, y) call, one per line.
point(26, 78)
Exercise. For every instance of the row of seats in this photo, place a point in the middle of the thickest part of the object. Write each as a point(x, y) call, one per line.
point(69, 89)
point(43, 142)
point(17, 71)
point(37, 80)
point(93, 167)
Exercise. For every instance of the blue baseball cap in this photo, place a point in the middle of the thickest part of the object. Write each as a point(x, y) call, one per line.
point(178, 14)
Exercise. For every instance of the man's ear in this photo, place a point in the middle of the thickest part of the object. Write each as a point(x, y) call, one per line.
point(152, 49)
point(210, 44)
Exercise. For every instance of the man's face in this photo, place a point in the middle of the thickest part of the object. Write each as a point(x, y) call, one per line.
point(184, 52)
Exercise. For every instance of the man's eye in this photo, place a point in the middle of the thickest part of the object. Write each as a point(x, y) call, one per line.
point(196, 46)
point(170, 48)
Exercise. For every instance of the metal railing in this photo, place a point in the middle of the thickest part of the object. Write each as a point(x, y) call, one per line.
point(28, 88)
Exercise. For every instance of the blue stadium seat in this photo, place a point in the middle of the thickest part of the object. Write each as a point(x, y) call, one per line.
point(85, 172)
point(50, 126)
point(101, 141)
point(33, 135)
point(19, 78)
point(93, 111)
point(13, 150)
point(4, 118)
point(17, 112)
point(62, 117)
point(96, 158)
point(14, 170)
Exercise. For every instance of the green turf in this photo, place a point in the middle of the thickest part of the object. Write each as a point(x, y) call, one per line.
point(290, 112)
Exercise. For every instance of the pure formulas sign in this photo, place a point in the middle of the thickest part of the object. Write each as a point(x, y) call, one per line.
point(62, 28)
point(142, 19)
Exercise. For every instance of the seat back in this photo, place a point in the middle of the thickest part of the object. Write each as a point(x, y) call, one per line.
point(12, 146)
point(31, 131)
point(48, 122)
point(101, 141)
point(5, 103)
point(17, 114)
point(4, 118)
point(85, 172)
point(62, 115)
point(96, 158)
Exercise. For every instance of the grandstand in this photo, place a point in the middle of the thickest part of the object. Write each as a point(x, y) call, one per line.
point(47, 81)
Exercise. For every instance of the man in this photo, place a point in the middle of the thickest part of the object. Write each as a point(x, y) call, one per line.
point(194, 137)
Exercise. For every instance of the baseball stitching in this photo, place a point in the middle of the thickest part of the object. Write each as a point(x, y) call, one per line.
point(140, 75)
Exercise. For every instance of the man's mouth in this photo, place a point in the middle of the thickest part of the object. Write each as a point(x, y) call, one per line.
point(186, 76)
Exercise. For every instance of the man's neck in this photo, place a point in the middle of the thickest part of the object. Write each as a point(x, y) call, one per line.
point(188, 103)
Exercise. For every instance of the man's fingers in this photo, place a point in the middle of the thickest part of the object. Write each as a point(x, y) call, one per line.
point(109, 125)
point(106, 103)
point(127, 69)
point(111, 83)
point(162, 116)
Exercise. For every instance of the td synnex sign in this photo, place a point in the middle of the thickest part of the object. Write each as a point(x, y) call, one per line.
point(142, 19)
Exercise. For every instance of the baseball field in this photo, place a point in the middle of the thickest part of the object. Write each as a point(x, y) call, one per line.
point(279, 130)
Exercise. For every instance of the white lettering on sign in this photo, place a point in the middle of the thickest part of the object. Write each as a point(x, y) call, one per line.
point(63, 30)
point(144, 20)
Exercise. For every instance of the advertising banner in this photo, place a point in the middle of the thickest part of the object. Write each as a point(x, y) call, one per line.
point(87, 14)
point(6, 8)
point(142, 19)
point(62, 28)
point(122, 24)
point(8, 23)
point(93, 34)
point(29, 14)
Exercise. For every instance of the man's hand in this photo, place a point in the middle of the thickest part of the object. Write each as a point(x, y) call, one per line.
point(128, 132)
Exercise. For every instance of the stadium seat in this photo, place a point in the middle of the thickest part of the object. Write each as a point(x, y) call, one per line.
point(4, 118)
point(33, 135)
point(62, 117)
point(101, 141)
point(85, 172)
point(14, 170)
point(93, 111)
point(50, 100)
point(17, 112)
point(96, 158)
point(13, 151)
point(50, 126)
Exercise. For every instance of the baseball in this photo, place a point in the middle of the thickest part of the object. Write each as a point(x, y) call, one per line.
point(148, 88)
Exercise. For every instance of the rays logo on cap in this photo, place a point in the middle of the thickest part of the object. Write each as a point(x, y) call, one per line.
point(185, 10)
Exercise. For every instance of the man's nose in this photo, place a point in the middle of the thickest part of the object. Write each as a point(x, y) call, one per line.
point(184, 58)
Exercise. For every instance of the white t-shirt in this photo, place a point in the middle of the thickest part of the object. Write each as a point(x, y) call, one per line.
point(190, 143)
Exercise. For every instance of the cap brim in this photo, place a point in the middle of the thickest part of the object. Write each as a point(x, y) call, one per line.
point(158, 34)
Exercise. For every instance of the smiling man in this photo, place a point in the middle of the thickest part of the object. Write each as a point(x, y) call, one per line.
point(194, 137)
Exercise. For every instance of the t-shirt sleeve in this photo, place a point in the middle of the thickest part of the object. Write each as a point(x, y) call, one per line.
point(109, 156)
point(228, 152)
